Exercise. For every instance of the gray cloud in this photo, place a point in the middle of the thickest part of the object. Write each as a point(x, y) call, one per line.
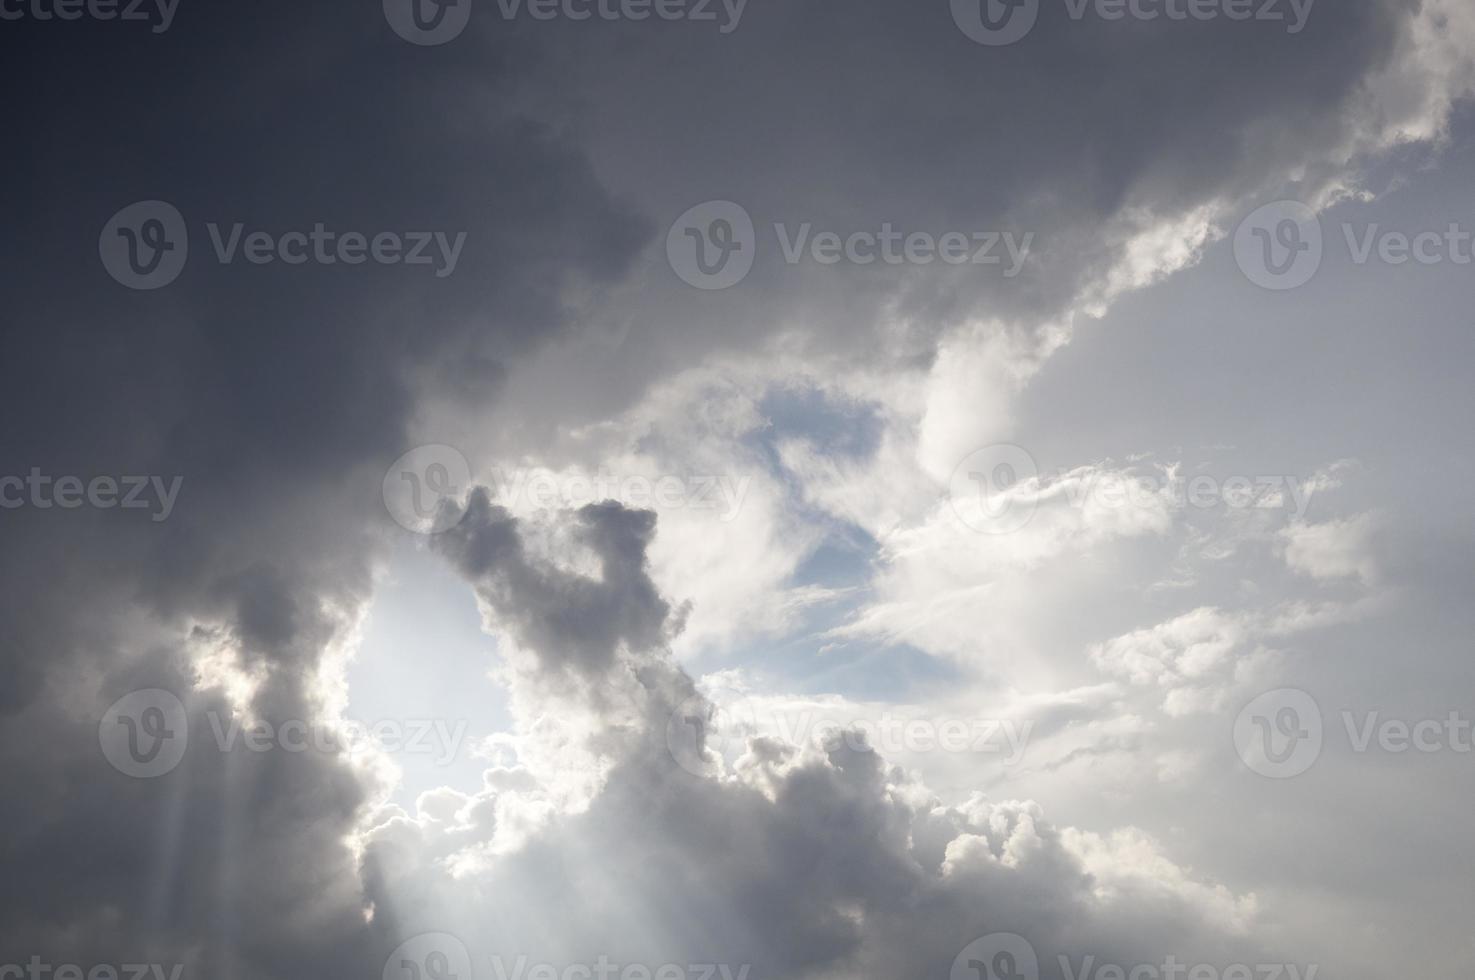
point(810, 862)
point(280, 394)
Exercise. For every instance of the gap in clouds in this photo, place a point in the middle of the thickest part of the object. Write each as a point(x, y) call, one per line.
point(424, 657)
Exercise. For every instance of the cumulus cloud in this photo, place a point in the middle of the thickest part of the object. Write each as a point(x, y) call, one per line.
point(799, 859)
point(1333, 550)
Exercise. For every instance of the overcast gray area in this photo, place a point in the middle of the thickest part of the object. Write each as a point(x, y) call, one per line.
point(749, 490)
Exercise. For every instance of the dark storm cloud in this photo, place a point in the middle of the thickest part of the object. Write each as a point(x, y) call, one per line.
point(279, 394)
point(851, 115)
point(577, 623)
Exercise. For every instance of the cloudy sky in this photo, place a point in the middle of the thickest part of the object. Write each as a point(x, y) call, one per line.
point(737, 490)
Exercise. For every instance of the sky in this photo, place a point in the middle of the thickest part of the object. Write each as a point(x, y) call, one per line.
point(737, 490)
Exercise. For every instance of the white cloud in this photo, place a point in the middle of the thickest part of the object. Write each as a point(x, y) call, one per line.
point(1333, 550)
